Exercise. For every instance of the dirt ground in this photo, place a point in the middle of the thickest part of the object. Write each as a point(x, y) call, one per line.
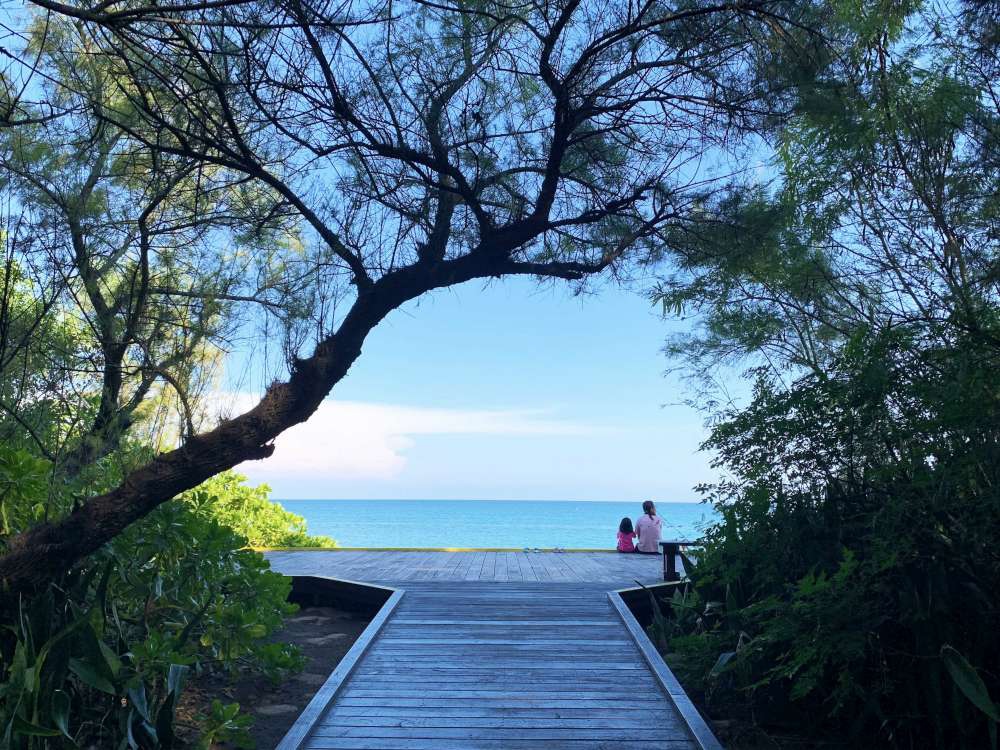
point(324, 634)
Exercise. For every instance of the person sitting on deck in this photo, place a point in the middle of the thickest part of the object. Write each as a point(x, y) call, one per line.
point(626, 535)
point(648, 528)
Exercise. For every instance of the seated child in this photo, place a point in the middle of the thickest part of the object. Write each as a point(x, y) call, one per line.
point(625, 536)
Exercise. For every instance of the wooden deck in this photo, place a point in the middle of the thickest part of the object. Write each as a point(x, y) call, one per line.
point(610, 568)
point(488, 664)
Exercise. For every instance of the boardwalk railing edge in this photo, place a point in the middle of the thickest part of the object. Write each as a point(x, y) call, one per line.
point(696, 725)
point(304, 724)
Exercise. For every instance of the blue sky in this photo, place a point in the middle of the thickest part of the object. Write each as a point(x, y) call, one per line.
point(502, 391)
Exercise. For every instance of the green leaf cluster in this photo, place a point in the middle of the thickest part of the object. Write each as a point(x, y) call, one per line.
point(228, 500)
point(101, 659)
point(850, 589)
point(854, 572)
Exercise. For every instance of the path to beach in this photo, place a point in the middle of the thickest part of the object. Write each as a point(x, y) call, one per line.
point(395, 567)
point(496, 651)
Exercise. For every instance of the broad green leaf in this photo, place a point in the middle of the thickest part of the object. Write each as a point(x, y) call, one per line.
point(89, 676)
point(60, 711)
point(22, 727)
point(110, 658)
point(137, 696)
point(969, 682)
point(175, 678)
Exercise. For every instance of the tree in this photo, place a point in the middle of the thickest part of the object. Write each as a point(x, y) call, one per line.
point(425, 145)
point(854, 570)
point(882, 214)
point(121, 245)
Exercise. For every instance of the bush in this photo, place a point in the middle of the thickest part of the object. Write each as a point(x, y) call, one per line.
point(248, 511)
point(102, 658)
point(851, 586)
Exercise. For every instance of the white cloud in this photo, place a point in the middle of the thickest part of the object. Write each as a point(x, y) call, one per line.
point(362, 440)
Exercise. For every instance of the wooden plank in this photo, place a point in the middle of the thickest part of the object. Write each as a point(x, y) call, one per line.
point(392, 703)
point(538, 734)
point(364, 690)
point(486, 573)
point(483, 711)
point(505, 623)
point(449, 569)
point(513, 567)
point(465, 564)
point(321, 700)
point(700, 731)
point(500, 571)
point(386, 686)
point(436, 640)
point(412, 675)
point(561, 569)
point(531, 631)
point(523, 651)
point(527, 572)
point(568, 664)
point(664, 725)
point(370, 743)
point(475, 566)
point(592, 652)
point(572, 604)
point(403, 569)
point(537, 569)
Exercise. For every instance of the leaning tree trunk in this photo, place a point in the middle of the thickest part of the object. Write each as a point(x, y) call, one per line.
point(44, 552)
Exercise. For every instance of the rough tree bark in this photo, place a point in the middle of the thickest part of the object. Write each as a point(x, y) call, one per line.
point(45, 552)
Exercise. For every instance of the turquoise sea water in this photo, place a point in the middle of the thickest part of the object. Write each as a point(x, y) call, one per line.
point(487, 523)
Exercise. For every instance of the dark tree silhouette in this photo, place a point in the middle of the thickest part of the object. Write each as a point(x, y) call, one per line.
point(423, 145)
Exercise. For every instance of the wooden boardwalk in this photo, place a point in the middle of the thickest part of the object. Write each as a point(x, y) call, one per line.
point(486, 664)
point(618, 571)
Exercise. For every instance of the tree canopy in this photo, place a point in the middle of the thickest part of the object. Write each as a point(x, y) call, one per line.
point(814, 182)
point(850, 579)
point(408, 147)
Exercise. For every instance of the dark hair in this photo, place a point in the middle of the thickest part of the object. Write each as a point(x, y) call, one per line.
point(625, 526)
point(648, 508)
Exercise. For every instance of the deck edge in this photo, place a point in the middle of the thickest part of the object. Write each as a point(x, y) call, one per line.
point(316, 707)
point(696, 725)
point(431, 549)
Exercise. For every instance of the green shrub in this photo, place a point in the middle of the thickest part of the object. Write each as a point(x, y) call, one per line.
point(102, 658)
point(854, 572)
point(248, 511)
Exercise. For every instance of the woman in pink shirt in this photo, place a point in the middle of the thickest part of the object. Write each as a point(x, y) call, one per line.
point(625, 536)
point(648, 528)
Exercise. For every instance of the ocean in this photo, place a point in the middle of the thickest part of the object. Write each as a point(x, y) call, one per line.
point(487, 523)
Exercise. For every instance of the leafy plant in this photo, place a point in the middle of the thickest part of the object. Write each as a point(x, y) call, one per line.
point(851, 575)
point(224, 723)
point(103, 657)
point(248, 511)
point(973, 687)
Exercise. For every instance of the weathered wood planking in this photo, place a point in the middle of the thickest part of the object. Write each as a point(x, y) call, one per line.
point(296, 736)
point(703, 737)
point(397, 567)
point(480, 664)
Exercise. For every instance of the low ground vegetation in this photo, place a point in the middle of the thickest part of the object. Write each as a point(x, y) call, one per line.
point(102, 658)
